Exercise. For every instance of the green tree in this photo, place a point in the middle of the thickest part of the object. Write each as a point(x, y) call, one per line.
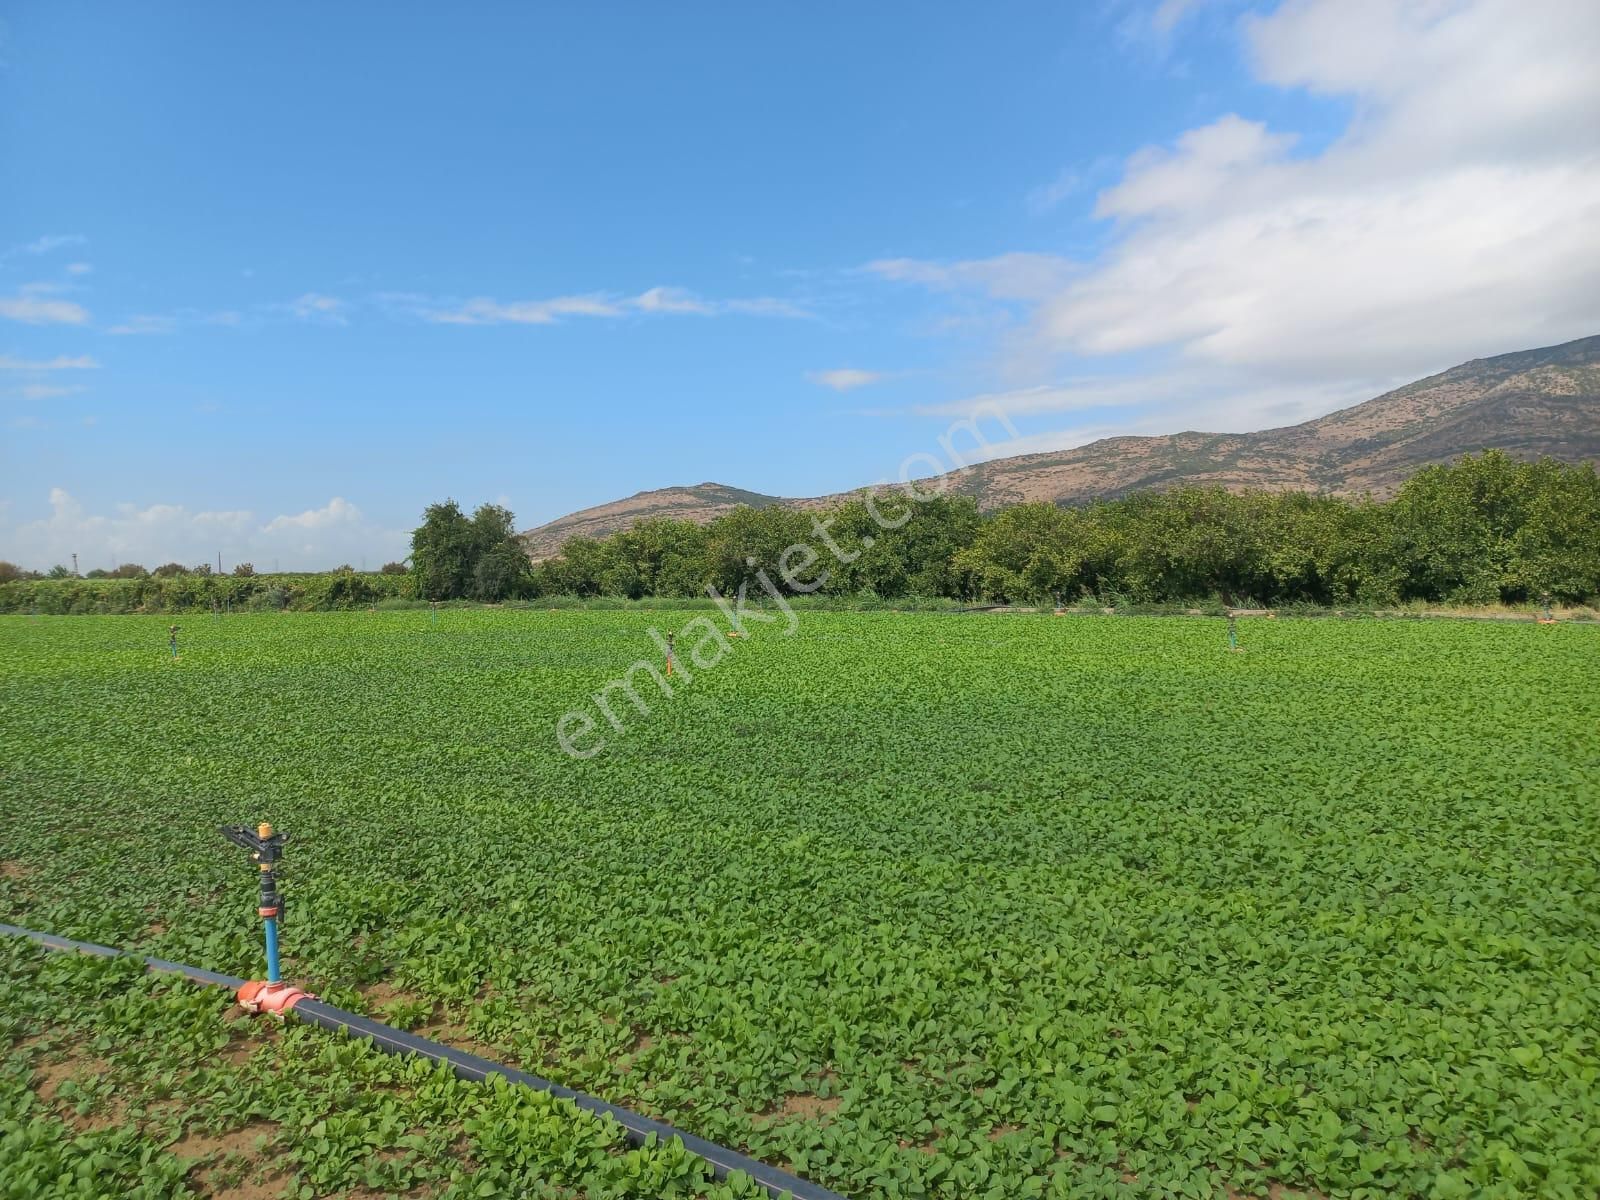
point(500, 568)
point(1025, 553)
point(1556, 550)
point(746, 541)
point(1454, 529)
point(443, 552)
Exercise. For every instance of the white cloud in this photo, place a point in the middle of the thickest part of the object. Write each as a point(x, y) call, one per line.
point(144, 323)
point(1072, 395)
point(1458, 214)
point(1169, 13)
point(1163, 401)
point(1206, 162)
point(656, 301)
point(60, 362)
point(45, 391)
point(1015, 276)
point(763, 306)
point(316, 539)
point(80, 268)
point(336, 512)
point(313, 306)
point(33, 305)
point(843, 379)
point(670, 300)
point(47, 243)
point(484, 311)
point(1047, 196)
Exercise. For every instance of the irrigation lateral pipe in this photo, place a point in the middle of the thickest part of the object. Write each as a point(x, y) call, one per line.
point(386, 1038)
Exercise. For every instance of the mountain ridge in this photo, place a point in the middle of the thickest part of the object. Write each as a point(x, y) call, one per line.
point(1529, 403)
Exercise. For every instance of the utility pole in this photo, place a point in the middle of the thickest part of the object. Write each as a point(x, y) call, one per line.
point(74, 564)
point(219, 562)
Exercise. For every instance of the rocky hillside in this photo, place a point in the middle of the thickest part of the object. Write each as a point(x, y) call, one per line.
point(1531, 403)
point(698, 503)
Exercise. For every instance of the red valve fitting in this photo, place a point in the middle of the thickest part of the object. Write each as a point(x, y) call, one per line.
point(276, 999)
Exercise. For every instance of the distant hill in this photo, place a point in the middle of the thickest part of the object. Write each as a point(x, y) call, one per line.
point(699, 503)
point(1531, 403)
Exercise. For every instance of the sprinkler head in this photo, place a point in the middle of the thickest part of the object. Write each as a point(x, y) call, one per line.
point(266, 847)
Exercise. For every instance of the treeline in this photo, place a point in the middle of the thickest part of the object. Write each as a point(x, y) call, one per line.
point(1486, 529)
point(194, 591)
point(10, 572)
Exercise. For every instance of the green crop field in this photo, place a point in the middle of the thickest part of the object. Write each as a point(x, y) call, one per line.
point(918, 905)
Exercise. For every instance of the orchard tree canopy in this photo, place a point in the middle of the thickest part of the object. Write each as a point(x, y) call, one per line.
point(479, 558)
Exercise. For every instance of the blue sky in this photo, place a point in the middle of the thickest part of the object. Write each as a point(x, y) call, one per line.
point(273, 279)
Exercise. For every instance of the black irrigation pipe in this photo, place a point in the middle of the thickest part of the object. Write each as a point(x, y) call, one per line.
point(636, 1129)
point(52, 942)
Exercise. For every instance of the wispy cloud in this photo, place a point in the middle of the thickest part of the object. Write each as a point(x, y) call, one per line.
point(34, 304)
point(671, 300)
point(47, 243)
point(45, 391)
point(844, 379)
point(765, 306)
point(42, 311)
point(483, 311)
point(313, 306)
point(1186, 398)
point(1047, 196)
point(144, 323)
point(320, 308)
point(1067, 396)
point(656, 301)
point(1020, 275)
point(1169, 13)
point(79, 268)
point(61, 362)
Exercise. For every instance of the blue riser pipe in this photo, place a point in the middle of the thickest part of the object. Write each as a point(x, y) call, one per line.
point(272, 950)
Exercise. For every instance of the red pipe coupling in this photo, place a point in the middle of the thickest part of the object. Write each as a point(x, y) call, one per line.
point(275, 999)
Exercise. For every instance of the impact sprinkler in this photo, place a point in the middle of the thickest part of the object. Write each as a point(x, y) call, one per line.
point(1546, 617)
point(671, 653)
point(1233, 632)
point(271, 995)
point(172, 639)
